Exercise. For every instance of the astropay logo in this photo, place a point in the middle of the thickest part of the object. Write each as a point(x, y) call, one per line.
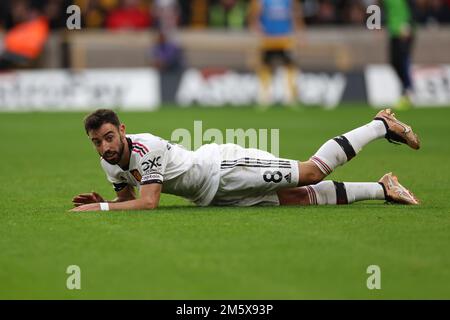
point(246, 138)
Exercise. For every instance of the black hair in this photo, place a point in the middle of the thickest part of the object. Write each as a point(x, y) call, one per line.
point(99, 117)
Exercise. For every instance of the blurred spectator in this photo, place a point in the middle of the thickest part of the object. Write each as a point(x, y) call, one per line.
point(356, 13)
point(55, 11)
point(228, 14)
point(24, 42)
point(198, 13)
point(3, 14)
point(95, 11)
point(433, 11)
point(135, 14)
point(166, 55)
point(326, 12)
point(129, 15)
point(184, 16)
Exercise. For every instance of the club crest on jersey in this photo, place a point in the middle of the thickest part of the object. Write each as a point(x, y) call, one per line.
point(136, 174)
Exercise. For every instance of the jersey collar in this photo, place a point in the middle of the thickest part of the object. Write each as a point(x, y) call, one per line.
point(130, 148)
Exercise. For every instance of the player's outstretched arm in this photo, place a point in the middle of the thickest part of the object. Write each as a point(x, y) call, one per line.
point(125, 194)
point(150, 195)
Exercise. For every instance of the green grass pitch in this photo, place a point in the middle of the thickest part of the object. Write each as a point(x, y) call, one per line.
point(184, 252)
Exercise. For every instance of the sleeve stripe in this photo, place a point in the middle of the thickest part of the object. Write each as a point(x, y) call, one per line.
point(141, 145)
point(136, 147)
point(151, 182)
point(139, 151)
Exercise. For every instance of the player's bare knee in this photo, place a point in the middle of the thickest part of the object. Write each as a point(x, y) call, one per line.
point(293, 196)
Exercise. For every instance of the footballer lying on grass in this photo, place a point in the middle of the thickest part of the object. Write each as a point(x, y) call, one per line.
point(228, 174)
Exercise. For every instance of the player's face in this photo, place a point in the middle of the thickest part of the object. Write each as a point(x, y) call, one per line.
point(109, 142)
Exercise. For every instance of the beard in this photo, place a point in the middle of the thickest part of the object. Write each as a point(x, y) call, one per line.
point(114, 157)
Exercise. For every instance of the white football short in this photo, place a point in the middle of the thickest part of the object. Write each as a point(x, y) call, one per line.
point(252, 177)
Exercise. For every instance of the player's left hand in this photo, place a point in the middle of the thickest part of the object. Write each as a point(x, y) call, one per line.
point(85, 198)
point(87, 207)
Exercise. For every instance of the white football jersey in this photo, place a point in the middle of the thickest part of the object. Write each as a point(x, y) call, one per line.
point(193, 175)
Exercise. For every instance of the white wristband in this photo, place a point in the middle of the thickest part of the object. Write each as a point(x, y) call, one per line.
point(104, 206)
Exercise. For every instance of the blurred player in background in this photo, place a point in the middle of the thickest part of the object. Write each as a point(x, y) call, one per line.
point(231, 14)
point(278, 22)
point(400, 19)
point(166, 54)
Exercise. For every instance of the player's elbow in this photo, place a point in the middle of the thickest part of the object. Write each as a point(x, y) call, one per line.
point(149, 204)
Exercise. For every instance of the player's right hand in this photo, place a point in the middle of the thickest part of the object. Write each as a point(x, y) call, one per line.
point(85, 198)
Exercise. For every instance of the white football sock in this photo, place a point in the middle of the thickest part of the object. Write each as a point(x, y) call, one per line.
point(361, 136)
point(335, 152)
point(322, 193)
point(332, 192)
point(358, 191)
